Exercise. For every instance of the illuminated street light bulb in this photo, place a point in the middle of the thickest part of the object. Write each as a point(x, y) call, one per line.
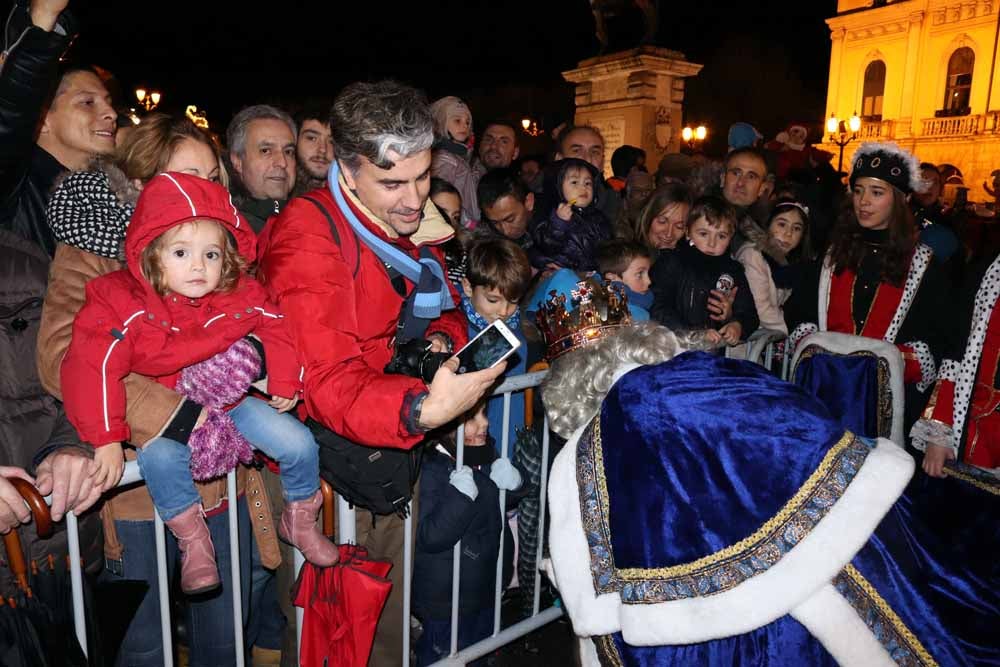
point(525, 123)
point(700, 132)
point(140, 94)
point(156, 97)
point(832, 124)
point(854, 123)
point(687, 133)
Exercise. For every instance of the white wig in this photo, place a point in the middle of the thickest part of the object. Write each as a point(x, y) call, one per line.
point(578, 381)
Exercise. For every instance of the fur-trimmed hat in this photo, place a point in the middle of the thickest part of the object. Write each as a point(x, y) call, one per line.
point(443, 109)
point(888, 162)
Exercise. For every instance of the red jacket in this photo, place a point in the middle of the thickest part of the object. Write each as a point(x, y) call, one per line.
point(343, 311)
point(125, 326)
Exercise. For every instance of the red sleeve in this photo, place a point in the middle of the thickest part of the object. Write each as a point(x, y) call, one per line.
point(941, 405)
point(911, 365)
point(94, 368)
point(306, 275)
point(284, 372)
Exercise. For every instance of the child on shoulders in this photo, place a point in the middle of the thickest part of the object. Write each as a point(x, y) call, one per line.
point(568, 237)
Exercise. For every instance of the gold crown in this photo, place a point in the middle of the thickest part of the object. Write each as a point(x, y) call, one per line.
point(600, 311)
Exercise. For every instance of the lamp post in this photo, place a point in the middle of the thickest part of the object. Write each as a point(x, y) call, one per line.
point(147, 99)
point(694, 136)
point(530, 127)
point(839, 134)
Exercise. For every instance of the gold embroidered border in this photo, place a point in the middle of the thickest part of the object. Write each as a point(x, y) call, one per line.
point(890, 615)
point(792, 506)
point(969, 479)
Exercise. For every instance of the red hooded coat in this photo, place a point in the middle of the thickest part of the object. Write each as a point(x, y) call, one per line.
point(125, 326)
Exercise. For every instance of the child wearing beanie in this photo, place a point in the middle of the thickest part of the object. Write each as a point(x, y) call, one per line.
point(185, 313)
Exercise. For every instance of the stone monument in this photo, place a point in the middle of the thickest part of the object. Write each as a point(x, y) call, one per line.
point(633, 97)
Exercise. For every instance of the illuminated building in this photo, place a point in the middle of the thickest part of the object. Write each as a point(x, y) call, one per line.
point(921, 73)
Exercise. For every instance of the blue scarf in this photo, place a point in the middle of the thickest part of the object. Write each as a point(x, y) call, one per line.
point(478, 322)
point(432, 295)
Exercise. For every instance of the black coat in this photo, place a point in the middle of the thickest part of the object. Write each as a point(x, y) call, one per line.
point(32, 423)
point(446, 516)
point(27, 172)
point(682, 280)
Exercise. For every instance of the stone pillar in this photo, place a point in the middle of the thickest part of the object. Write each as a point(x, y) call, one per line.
point(833, 86)
point(904, 126)
point(633, 97)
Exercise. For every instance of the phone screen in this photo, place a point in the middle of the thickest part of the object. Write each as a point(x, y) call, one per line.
point(484, 351)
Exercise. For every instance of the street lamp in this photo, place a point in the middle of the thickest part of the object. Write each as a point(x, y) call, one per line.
point(839, 135)
point(694, 135)
point(149, 100)
point(530, 127)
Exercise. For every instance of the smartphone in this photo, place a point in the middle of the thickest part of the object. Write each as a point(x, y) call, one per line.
point(493, 344)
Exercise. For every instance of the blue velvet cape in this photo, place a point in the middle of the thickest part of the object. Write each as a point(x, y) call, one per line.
point(701, 456)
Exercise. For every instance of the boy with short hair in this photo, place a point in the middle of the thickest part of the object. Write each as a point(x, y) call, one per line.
point(627, 263)
point(496, 278)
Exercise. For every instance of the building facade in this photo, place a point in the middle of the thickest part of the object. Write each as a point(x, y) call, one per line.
point(921, 73)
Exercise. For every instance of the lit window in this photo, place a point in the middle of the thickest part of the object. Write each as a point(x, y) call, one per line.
point(874, 88)
point(959, 83)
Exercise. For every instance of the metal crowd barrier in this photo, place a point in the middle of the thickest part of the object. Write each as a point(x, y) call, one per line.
point(345, 533)
point(761, 350)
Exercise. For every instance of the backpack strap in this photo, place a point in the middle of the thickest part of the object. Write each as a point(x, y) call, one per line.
point(336, 234)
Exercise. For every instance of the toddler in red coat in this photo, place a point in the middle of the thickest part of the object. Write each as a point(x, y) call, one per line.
point(186, 313)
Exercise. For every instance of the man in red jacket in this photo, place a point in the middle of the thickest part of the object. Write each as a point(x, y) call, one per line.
point(335, 289)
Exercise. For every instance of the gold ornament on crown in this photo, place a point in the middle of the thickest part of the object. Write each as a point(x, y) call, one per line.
point(600, 311)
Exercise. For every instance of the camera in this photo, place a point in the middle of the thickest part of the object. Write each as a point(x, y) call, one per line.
point(414, 358)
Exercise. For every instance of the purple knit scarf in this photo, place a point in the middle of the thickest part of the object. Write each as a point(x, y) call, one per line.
point(217, 446)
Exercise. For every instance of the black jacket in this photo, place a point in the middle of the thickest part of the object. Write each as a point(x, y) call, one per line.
point(682, 280)
point(447, 516)
point(32, 423)
point(27, 78)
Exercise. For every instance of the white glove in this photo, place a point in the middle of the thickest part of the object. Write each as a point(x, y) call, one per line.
point(462, 479)
point(505, 475)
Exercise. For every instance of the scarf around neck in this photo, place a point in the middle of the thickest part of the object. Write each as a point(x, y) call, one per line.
point(478, 322)
point(432, 295)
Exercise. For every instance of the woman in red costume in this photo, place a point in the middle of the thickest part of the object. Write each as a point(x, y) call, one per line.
point(877, 280)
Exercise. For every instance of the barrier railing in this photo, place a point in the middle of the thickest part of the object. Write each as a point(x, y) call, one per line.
point(346, 533)
point(761, 351)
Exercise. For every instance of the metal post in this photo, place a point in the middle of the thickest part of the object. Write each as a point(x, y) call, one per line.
point(504, 447)
point(407, 577)
point(76, 579)
point(541, 515)
point(456, 553)
point(234, 567)
point(347, 529)
point(299, 612)
point(161, 577)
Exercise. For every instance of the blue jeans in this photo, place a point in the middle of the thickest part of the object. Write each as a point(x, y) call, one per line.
point(209, 616)
point(166, 464)
point(435, 642)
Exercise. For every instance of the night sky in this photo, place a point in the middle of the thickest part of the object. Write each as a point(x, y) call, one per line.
point(765, 62)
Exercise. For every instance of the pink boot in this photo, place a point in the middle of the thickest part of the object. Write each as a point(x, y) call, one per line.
point(298, 528)
point(199, 573)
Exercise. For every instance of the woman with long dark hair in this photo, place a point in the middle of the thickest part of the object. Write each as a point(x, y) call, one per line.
point(877, 280)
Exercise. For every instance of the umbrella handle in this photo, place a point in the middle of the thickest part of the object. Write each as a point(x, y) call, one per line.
point(36, 503)
point(15, 556)
point(328, 513)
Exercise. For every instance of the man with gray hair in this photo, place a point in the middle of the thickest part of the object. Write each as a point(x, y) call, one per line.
point(261, 142)
point(358, 272)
